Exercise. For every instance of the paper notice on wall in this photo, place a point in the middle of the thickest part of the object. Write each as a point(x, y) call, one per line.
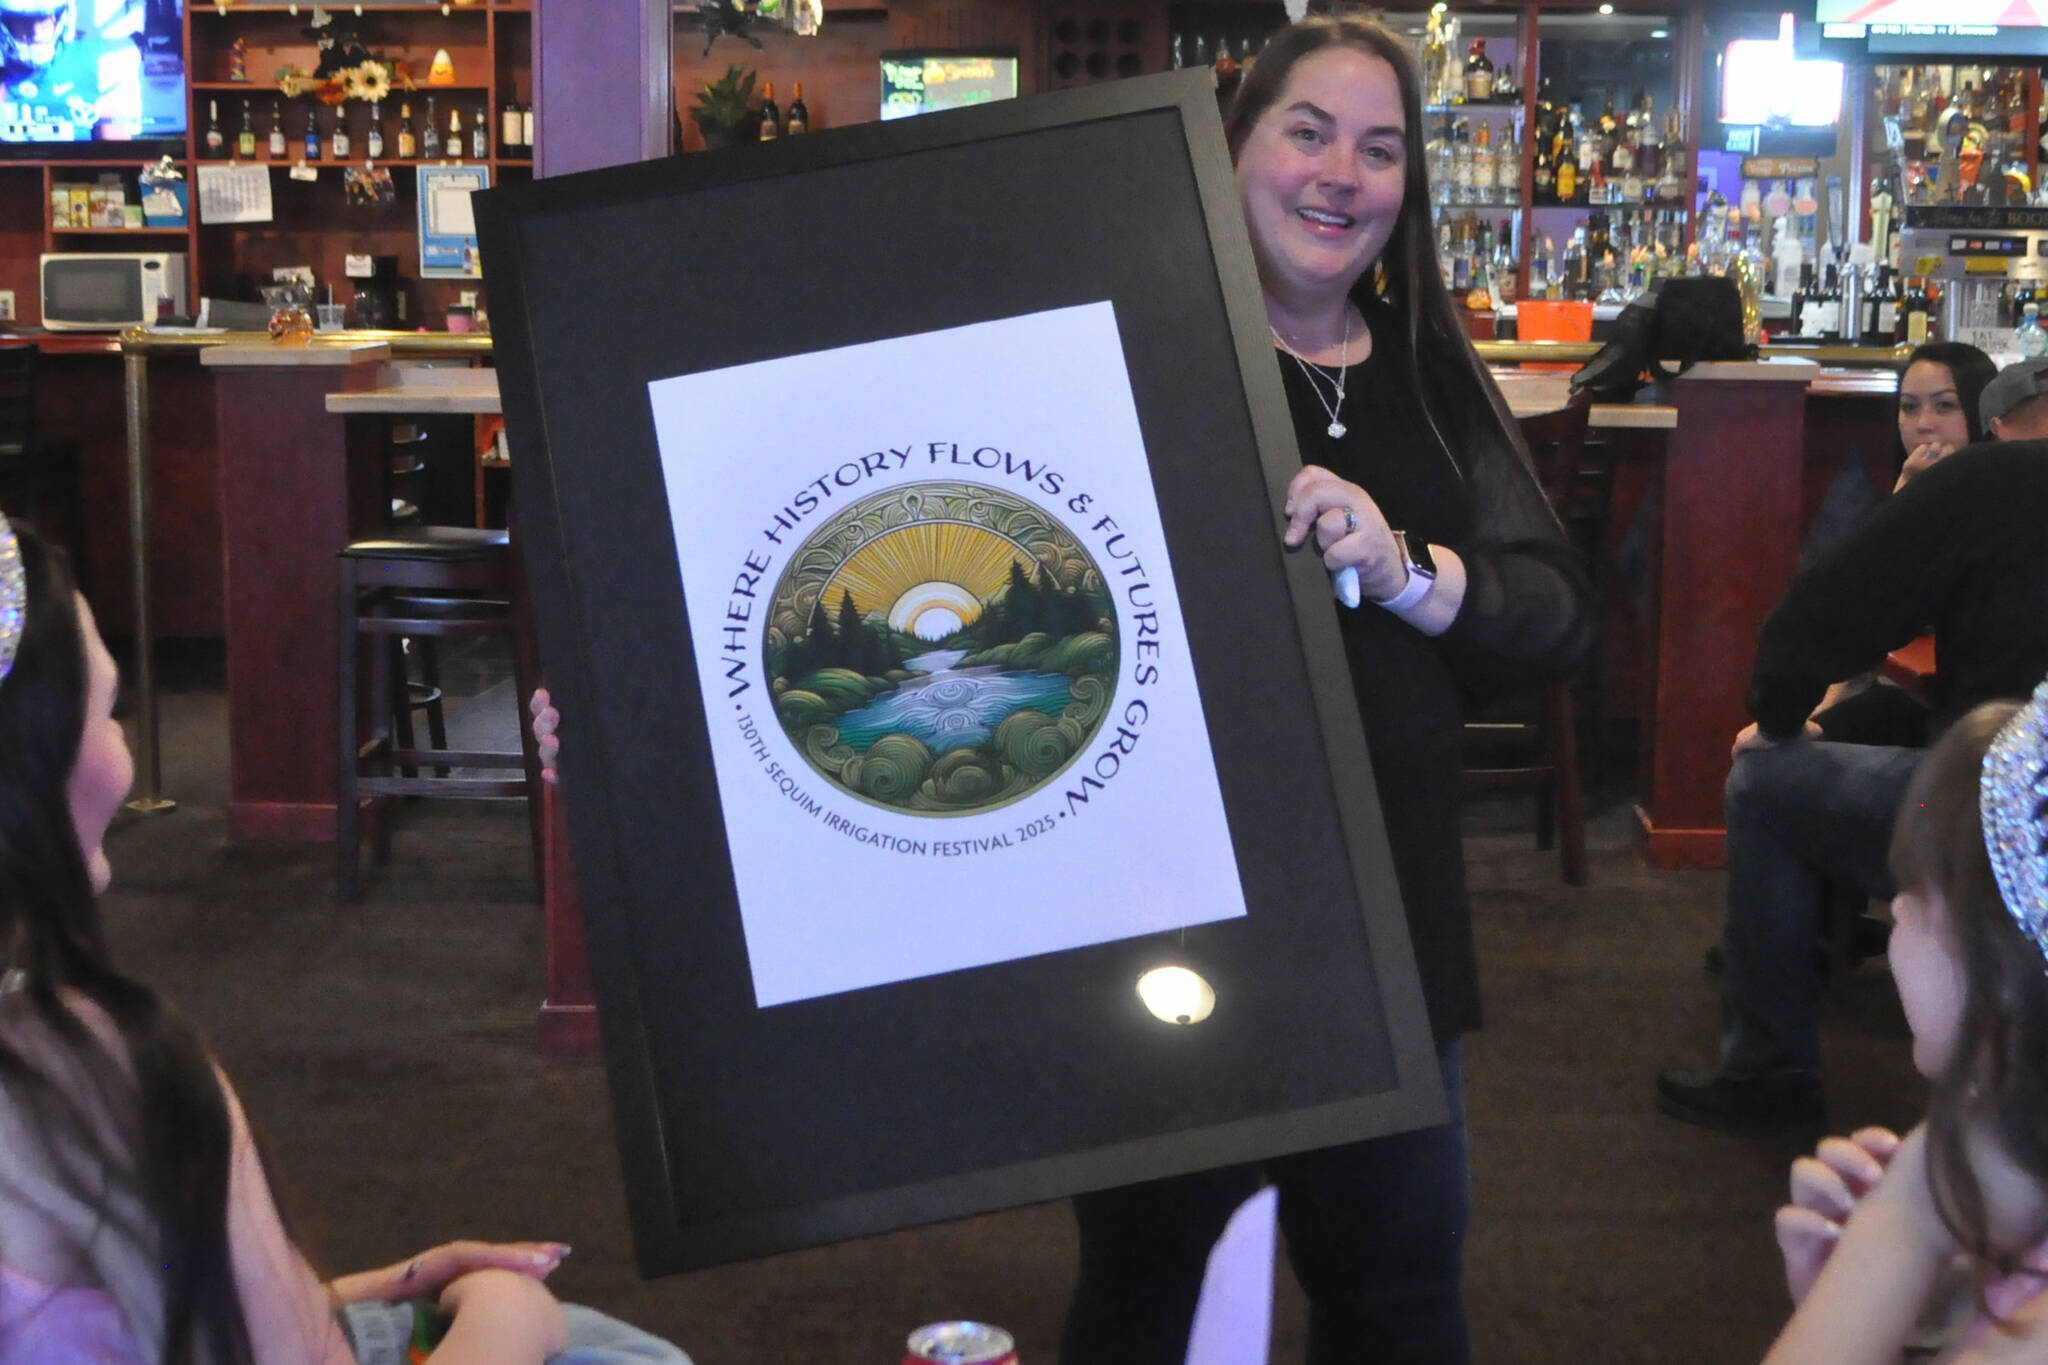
point(234, 194)
point(447, 224)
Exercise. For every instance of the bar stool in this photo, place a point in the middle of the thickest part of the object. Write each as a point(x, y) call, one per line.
point(421, 582)
point(1557, 445)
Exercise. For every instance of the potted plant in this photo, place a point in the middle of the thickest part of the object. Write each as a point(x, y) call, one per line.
point(724, 109)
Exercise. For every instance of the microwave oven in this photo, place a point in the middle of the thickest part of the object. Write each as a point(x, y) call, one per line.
point(107, 291)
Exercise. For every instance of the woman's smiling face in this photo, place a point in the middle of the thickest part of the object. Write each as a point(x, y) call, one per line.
point(1322, 173)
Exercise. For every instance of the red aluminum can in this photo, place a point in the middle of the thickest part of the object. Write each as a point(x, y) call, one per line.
point(960, 1343)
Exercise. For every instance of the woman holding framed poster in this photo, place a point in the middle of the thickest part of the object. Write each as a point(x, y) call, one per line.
point(1454, 577)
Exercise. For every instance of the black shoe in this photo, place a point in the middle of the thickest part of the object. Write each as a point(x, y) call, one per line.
point(1783, 1101)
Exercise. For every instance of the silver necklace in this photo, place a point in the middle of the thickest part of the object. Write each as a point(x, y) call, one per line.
point(1315, 372)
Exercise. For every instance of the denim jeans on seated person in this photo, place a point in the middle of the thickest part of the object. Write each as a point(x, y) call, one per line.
point(1801, 817)
point(380, 1332)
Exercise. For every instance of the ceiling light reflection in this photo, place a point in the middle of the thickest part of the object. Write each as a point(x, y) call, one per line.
point(1176, 995)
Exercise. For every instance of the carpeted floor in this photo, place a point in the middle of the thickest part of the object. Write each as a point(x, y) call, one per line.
point(385, 1051)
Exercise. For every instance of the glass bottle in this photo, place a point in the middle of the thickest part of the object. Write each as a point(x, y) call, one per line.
point(216, 141)
point(373, 136)
point(276, 131)
point(771, 117)
point(799, 119)
point(2029, 337)
point(430, 134)
point(408, 142)
point(1482, 165)
point(1478, 74)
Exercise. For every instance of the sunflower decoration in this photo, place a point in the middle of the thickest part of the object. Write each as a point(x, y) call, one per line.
point(368, 80)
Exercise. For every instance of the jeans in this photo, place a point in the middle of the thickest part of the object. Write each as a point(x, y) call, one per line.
point(380, 1332)
point(1375, 1231)
point(1801, 816)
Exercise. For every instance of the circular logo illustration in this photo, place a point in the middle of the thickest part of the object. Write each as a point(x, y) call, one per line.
point(941, 649)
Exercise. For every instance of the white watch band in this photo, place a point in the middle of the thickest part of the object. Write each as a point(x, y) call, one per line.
point(1417, 588)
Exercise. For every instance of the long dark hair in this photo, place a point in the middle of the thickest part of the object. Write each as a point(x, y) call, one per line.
point(1406, 285)
point(1997, 1076)
point(1969, 367)
point(150, 1128)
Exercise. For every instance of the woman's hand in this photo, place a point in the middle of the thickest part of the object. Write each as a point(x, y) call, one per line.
point(1921, 460)
point(427, 1274)
point(498, 1317)
point(1750, 737)
point(1348, 529)
point(1826, 1188)
point(545, 719)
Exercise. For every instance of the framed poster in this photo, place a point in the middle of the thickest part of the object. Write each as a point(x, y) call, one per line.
point(969, 802)
point(447, 221)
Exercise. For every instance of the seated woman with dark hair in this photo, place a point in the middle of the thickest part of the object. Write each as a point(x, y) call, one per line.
point(136, 1223)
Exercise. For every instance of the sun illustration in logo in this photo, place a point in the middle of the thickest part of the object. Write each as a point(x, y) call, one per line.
point(941, 648)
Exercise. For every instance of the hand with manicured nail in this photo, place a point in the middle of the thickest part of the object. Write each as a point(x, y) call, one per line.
point(1826, 1188)
point(424, 1276)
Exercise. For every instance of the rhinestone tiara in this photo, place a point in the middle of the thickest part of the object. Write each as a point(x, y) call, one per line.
point(2012, 797)
point(13, 596)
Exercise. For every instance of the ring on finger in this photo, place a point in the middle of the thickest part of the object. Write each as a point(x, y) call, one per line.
point(1350, 520)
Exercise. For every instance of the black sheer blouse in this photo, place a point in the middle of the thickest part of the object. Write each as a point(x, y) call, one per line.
point(1527, 619)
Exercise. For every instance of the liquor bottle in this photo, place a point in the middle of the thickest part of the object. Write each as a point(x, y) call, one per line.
point(339, 143)
point(313, 134)
point(408, 142)
point(430, 134)
point(526, 129)
point(480, 135)
point(1567, 181)
point(1504, 282)
point(1442, 163)
point(1478, 74)
point(771, 117)
point(216, 141)
point(1831, 307)
point(276, 131)
point(1649, 144)
point(373, 136)
point(1914, 328)
point(1505, 91)
point(1482, 165)
point(1461, 163)
point(509, 127)
point(1879, 312)
point(1507, 166)
point(245, 142)
point(453, 146)
point(1804, 315)
point(799, 112)
point(1543, 176)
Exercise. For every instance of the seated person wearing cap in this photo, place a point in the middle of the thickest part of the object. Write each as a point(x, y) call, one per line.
point(1964, 545)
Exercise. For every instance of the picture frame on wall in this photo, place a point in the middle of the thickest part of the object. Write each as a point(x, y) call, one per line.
point(969, 802)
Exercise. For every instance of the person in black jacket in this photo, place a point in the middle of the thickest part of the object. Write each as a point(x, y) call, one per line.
point(1964, 545)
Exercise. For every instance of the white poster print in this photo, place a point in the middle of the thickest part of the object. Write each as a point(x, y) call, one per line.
point(952, 709)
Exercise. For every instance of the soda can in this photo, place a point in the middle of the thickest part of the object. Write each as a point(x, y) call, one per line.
point(960, 1343)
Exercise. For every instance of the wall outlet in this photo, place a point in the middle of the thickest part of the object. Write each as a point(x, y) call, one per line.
point(6, 305)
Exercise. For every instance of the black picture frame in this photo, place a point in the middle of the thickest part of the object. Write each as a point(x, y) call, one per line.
point(748, 1131)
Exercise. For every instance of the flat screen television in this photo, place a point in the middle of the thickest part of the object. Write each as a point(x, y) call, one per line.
point(91, 71)
point(1764, 84)
point(1881, 30)
point(917, 82)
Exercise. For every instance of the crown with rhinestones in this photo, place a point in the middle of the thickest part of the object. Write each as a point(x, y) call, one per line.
point(2012, 796)
point(13, 596)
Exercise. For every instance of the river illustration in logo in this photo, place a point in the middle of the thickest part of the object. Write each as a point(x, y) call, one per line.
point(942, 648)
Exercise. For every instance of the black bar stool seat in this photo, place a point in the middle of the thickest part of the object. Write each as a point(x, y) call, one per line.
point(420, 583)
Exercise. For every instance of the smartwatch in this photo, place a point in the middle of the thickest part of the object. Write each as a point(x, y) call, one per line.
point(1421, 568)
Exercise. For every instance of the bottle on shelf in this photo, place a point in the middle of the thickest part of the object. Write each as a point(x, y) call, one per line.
point(1568, 180)
point(2028, 338)
point(1478, 74)
point(452, 148)
point(509, 126)
point(373, 136)
point(408, 141)
point(526, 129)
point(1483, 165)
point(1543, 175)
point(277, 139)
point(312, 141)
point(430, 134)
point(479, 134)
point(1505, 90)
point(245, 141)
point(339, 143)
point(1461, 163)
point(771, 117)
point(1507, 164)
point(216, 141)
point(799, 112)
point(1913, 326)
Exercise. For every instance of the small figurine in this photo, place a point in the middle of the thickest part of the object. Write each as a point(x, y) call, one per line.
point(238, 60)
point(725, 16)
point(443, 70)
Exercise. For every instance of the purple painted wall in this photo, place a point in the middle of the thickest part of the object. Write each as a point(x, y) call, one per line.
point(601, 83)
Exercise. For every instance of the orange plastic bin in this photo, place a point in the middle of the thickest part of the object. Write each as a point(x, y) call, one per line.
point(1553, 320)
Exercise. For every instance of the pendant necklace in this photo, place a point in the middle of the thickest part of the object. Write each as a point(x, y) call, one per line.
point(1316, 372)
